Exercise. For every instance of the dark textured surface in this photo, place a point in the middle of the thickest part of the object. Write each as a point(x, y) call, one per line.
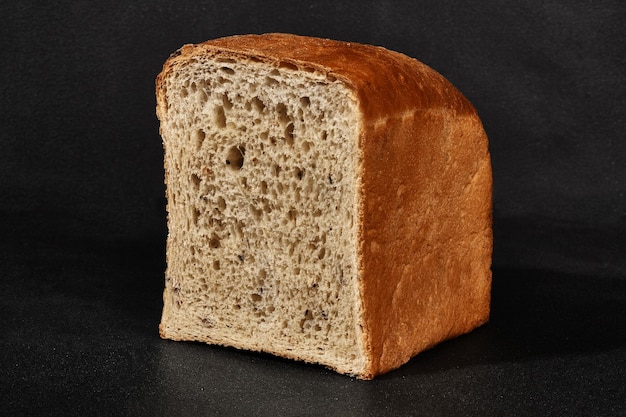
point(80, 337)
point(82, 220)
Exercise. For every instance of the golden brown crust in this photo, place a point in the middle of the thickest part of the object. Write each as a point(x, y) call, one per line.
point(425, 193)
point(384, 80)
point(426, 233)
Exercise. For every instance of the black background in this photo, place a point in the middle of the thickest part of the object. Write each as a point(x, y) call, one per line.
point(82, 217)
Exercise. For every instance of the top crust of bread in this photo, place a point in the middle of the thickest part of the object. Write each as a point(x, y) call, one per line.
point(424, 231)
point(385, 81)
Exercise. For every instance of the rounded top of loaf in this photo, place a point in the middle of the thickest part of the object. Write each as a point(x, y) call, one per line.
point(385, 82)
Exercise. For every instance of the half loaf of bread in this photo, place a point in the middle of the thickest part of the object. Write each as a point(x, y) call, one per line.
point(328, 202)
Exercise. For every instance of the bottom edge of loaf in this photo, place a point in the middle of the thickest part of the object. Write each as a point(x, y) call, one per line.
point(368, 372)
point(350, 371)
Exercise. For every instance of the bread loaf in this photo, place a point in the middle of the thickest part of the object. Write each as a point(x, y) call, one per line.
point(328, 202)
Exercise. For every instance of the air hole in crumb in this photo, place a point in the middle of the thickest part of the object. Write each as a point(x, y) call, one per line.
point(299, 173)
point(214, 242)
point(195, 181)
point(234, 158)
point(305, 102)
point(264, 187)
point(288, 65)
point(276, 168)
point(258, 104)
point(321, 253)
point(255, 298)
point(228, 104)
point(203, 97)
point(198, 138)
point(216, 265)
point(221, 204)
point(219, 117)
point(195, 215)
point(239, 226)
point(289, 134)
point(306, 146)
point(291, 215)
point(281, 111)
point(272, 82)
point(256, 212)
point(228, 70)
